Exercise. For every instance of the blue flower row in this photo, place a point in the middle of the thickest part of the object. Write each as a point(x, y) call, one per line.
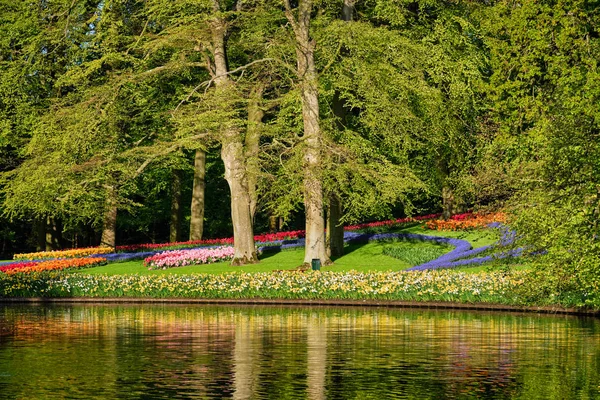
point(462, 257)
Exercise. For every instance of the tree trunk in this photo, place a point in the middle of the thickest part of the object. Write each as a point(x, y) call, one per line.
point(313, 190)
point(197, 208)
point(109, 228)
point(243, 234)
point(273, 219)
point(447, 202)
point(39, 226)
point(232, 154)
point(348, 10)
point(335, 230)
point(255, 116)
point(175, 223)
point(53, 234)
point(50, 234)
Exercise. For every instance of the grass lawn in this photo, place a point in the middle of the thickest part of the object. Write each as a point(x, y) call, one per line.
point(358, 257)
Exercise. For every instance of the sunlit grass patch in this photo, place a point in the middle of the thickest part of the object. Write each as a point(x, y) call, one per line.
point(415, 253)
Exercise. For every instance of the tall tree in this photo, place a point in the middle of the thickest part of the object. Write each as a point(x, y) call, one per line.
point(204, 33)
point(232, 151)
point(300, 19)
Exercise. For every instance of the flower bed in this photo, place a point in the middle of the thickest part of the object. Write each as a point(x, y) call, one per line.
point(180, 258)
point(462, 257)
point(52, 265)
point(390, 222)
point(416, 286)
point(17, 265)
point(71, 253)
point(262, 238)
point(465, 221)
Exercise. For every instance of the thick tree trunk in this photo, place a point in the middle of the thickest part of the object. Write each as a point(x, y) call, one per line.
point(175, 223)
point(243, 233)
point(335, 230)
point(109, 228)
point(313, 190)
point(197, 208)
point(232, 154)
point(255, 116)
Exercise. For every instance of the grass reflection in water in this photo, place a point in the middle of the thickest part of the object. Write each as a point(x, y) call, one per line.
point(284, 352)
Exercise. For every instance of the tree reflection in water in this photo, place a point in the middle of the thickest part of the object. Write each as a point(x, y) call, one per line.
point(176, 351)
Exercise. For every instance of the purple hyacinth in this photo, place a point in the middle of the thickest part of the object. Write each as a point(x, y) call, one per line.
point(460, 258)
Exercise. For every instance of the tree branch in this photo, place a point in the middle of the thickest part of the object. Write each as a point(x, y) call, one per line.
point(290, 16)
point(68, 17)
point(139, 38)
point(214, 77)
point(171, 65)
point(168, 150)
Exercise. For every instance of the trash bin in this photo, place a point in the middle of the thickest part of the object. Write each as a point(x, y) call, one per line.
point(316, 264)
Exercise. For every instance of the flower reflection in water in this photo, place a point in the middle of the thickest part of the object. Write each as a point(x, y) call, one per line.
point(193, 351)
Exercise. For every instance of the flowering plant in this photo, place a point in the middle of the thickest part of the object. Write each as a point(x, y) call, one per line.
point(17, 265)
point(390, 222)
point(52, 265)
point(70, 253)
point(179, 258)
point(262, 238)
point(465, 221)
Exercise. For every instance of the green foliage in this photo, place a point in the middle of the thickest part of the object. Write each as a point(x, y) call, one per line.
point(545, 92)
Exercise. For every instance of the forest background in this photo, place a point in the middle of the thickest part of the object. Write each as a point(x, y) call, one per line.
point(126, 121)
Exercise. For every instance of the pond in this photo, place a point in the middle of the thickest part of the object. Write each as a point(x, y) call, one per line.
point(243, 352)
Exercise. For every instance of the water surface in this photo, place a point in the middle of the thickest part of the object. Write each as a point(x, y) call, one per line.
point(213, 352)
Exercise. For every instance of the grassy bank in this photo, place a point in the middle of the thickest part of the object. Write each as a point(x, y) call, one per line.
point(514, 288)
point(417, 286)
